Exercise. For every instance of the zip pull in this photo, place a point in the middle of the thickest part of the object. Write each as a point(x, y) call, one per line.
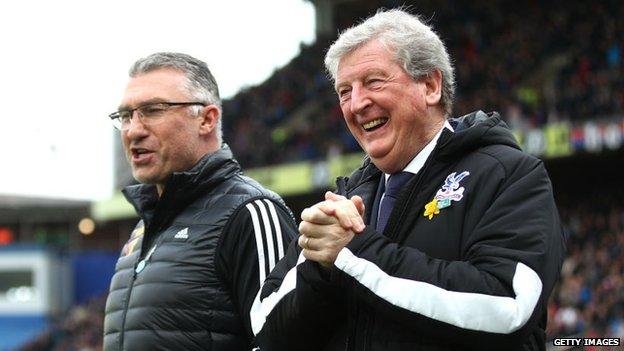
point(341, 186)
point(141, 264)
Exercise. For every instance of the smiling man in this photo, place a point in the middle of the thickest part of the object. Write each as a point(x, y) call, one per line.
point(446, 238)
point(208, 236)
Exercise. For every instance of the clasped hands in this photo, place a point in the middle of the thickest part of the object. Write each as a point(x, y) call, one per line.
point(329, 226)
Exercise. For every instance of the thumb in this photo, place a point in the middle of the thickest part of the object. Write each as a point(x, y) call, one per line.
point(333, 197)
point(359, 204)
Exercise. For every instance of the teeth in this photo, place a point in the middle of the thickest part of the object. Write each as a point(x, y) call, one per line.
point(374, 123)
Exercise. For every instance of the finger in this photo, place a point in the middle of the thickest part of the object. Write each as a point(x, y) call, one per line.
point(333, 197)
point(328, 207)
point(312, 230)
point(358, 225)
point(359, 204)
point(302, 241)
point(346, 214)
point(315, 215)
point(329, 232)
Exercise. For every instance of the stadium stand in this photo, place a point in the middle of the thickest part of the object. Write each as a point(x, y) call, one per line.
point(537, 62)
point(589, 298)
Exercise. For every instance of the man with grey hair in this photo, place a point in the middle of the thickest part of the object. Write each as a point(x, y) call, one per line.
point(191, 270)
point(446, 238)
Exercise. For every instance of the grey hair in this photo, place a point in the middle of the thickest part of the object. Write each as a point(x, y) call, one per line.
point(201, 84)
point(417, 48)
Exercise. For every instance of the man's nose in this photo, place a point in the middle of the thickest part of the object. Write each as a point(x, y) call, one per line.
point(136, 128)
point(359, 100)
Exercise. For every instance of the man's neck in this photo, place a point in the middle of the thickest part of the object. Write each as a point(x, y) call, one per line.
point(414, 164)
point(160, 188)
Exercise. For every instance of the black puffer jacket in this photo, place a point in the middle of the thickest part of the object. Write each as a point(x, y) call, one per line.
point(188, 276)
point(467, 260)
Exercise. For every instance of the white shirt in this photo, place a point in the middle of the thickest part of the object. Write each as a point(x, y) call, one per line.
point(417, 163)
point(419, 160)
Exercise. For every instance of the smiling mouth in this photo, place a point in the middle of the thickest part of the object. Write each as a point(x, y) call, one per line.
point(374, 124)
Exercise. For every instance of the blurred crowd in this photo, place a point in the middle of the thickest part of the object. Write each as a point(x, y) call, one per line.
point(80, 329)
point(535, 62)
point(589, 299)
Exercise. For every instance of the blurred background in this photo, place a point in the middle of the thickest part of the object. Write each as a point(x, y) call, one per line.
point(553, 69)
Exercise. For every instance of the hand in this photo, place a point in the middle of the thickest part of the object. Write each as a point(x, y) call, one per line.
point(329, 226)
point(349, 213)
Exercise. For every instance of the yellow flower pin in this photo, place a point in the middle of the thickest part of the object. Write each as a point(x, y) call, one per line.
point(431, 209)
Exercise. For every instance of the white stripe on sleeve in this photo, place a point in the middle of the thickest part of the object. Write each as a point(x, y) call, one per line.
point(259, 245)
point(278, 229)
point(261, 310)
point(268, 234)
point(481, 312)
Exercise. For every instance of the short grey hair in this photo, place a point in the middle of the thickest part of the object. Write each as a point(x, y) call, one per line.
point(201, 84)
point(417, 48)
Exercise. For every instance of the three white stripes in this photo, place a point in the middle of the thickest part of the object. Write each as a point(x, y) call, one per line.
point(267, 232)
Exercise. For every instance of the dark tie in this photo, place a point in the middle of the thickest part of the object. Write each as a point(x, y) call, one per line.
point(393, 187)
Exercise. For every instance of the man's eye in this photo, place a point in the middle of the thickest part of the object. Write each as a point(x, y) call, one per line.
point(153, 109)
point(375, 82)
point(125, 116)
point(343, 94)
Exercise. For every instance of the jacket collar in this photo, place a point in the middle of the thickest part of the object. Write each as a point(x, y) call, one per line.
point(474, 130)
point(184, 187)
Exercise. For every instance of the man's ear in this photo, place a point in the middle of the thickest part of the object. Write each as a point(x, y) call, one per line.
point(209, 115)
point(433, 84)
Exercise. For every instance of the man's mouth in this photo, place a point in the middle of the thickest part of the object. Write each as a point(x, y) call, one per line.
point(374, 124)
point(140, 155)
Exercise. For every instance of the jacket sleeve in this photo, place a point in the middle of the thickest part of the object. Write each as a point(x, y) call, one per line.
point(495, 294)
point(300, 309)
point(254, 240)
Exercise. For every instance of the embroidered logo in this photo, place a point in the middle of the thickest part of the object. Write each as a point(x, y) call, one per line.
point(182, 234)
point(132, 242)
point(450, 191)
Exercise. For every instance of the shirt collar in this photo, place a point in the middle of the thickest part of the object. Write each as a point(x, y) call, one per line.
point(419, 160)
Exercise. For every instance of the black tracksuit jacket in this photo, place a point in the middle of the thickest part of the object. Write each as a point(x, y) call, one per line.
point(474, 275)
point(190, 272)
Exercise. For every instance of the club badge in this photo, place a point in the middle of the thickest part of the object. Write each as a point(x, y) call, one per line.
point(450, 191)
point(132, 242)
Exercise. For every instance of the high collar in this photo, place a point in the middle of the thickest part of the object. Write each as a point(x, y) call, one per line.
point(473, 131)
point(184, 187)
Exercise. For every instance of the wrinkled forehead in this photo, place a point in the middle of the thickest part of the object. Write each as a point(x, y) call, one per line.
point(158, 85)
point(373, 56)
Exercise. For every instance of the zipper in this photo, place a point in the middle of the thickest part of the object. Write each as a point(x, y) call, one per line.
point(366, 318)
point(138, 267)
point(352, 336)
point(369, 330)
point(361, 338)
point(125, 309)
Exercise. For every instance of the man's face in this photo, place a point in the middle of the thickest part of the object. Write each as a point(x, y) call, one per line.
point(156, 151)
point(386, 110)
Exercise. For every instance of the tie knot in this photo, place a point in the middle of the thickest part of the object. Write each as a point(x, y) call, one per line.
point(396, 182)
